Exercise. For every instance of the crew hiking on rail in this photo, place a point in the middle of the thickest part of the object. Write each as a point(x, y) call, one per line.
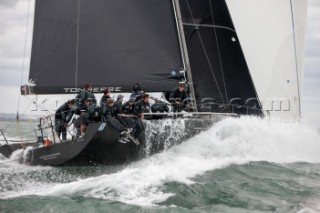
point(123, 116)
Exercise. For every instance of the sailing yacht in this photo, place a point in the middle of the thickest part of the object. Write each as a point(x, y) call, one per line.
point(237, 57)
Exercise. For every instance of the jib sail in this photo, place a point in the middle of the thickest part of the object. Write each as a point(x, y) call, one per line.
point(221, 77)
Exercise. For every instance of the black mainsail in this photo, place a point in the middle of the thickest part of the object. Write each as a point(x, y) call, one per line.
point(117, 43)
point(113, 43)
point(219, 70)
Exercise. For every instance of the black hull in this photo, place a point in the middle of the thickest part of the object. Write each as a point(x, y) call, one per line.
point(77, 151)
point(101, 143)
point(7, 150)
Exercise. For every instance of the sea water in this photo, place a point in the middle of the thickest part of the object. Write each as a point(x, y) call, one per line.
point(238, 165)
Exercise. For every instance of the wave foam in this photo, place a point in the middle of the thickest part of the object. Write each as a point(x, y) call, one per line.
point(231, 141)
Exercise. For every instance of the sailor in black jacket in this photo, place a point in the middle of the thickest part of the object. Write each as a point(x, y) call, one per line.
point(105, 97)
point(142, 106)
point(159, 106)
point(110, 114)
point(137, 92)
point(177, 98)
point(85, 94)
point(118, 104)
point(127, 108)
point(62, 117)
point(87, 116)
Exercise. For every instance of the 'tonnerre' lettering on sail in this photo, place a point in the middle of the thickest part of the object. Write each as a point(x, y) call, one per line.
point(94, 89)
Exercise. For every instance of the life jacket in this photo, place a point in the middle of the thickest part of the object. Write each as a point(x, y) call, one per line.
point(47, 142)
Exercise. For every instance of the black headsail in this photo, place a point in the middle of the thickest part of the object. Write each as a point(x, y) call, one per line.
point(219, 70)
point(113, 43)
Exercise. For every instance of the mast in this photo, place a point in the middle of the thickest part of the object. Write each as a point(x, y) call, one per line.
point(184, 51)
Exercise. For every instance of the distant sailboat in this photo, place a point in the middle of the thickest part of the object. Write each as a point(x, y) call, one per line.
point(209, 45)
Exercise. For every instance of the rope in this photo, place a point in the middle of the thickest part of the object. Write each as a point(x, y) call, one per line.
point(204, 49)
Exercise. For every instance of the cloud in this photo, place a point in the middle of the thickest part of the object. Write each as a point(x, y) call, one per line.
point(314, 3)
point(8, 3)
point(311, 85)
point(13, 39)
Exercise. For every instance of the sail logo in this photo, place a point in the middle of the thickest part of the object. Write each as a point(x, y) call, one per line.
point(94, 89)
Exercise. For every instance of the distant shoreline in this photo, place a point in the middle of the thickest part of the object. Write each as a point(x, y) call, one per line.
point(10, 117)
point(13, 120)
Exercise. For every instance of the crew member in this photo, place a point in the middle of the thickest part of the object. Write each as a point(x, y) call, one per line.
point(142, 106)
point(87, 115)
point(118, 104)
point(159, 106)
point(109, 115)
point(177, 98)
point(105, 97)
point(137, 92)
point(127, 108)
point(139, 109)
point(62, 117)
point(85, 94)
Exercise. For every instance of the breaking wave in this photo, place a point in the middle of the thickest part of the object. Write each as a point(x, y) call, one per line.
point(230, 141)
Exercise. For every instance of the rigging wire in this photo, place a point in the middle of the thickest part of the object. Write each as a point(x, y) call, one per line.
point(205, 52)
point(24, 55)
point(18, 124)
point(295, 54)
point(221, 66)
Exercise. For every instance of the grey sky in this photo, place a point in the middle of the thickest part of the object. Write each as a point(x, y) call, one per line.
point(12, 36)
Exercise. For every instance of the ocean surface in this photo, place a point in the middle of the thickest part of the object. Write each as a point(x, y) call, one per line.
point(239, 165)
